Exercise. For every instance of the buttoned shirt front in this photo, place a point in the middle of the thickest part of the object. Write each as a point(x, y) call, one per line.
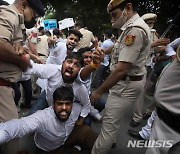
point(135, 53)
point(54, 78)
point(50, 133)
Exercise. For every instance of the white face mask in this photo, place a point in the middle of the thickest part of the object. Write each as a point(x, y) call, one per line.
point(151, 27)
point(120, 21)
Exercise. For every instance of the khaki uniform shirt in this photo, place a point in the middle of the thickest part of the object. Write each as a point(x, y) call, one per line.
point(168, 87)
point(42, 45)
point(11, 22)
point(86, 40)
point(132, 46)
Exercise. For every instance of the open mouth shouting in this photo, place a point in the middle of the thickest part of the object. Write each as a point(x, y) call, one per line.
point(68, 72)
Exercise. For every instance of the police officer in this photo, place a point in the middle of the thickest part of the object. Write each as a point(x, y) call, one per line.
point(166, 126)
point(127, 69)
point(12, 18)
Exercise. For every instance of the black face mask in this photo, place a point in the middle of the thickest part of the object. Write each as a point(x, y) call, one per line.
point(30, 24)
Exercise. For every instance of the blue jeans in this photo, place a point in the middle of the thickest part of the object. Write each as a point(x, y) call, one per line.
point(40, 104)
point(100, 105)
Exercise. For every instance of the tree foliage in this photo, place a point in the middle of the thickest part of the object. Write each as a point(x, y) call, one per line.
point(94, 15)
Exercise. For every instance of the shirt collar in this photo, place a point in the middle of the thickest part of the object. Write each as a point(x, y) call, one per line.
point(130, 21)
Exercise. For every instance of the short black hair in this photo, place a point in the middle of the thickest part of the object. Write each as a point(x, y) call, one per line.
point(56, 32)
point(63, 93)
point(47, 33)
point(75, 55)
point(79, 23)
point(75, 32)
point(108, 32)
point(135, 4)
point(83, 50)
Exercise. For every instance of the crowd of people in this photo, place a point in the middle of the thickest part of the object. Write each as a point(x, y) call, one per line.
point(69, 75)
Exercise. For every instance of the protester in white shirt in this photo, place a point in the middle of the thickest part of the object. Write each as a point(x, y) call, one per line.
point(54, 127)
point(60, 75)
point(99, 106)
point(58, 51)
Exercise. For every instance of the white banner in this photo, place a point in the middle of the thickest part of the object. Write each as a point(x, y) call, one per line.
point(66, 23)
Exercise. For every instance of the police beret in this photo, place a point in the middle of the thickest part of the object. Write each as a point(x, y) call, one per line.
point(37, 6)
point(112, 4)
point(149, 16)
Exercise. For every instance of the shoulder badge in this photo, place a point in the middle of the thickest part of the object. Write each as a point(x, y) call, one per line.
point(129, 40)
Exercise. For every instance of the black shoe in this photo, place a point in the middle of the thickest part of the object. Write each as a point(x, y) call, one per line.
point(134, 123)
point(135, 134)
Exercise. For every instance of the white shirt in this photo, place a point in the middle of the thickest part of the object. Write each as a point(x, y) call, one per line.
point(54, 78)
point(170, 49)
point(107, 43)
point(50, 133)
point(58, 54)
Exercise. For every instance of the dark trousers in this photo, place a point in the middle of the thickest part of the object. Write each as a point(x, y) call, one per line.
point(81, 135)
point(27, 87)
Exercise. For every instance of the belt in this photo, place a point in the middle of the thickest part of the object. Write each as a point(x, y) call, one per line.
point(172, 120)
point(133, 78)
point(4, 83)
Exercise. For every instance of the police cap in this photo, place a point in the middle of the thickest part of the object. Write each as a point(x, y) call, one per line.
point(149, 16)
point(37, 6)
point(113, 4)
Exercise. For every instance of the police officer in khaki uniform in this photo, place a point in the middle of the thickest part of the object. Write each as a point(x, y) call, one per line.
point(127, 69)
point(12, 18)
point(157, 46)
point(166, 126)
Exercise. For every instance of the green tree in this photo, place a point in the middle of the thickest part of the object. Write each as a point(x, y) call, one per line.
point(94, 15)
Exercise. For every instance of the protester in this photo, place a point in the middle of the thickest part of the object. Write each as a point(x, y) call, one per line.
point(55, 127)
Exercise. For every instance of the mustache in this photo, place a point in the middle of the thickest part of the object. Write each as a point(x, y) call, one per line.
point(63, 111)
point(69, 70)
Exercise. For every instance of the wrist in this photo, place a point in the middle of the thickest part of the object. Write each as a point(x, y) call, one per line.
point(94, 65)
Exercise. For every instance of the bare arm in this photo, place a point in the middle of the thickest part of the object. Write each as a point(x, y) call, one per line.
point(98, 57)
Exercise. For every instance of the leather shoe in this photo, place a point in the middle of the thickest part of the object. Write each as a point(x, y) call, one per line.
point(135, 134)
point(134, 123)
point(146, 116)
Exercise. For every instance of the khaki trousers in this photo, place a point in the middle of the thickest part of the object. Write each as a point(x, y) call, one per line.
point(138, 106)
point(8, 108)
point(161, 131)
point(120, 98)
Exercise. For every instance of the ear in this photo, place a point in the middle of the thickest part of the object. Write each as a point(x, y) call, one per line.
point(24, 4)
point(128, 6)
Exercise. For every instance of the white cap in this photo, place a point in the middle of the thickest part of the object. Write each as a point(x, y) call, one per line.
point(149, 16)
